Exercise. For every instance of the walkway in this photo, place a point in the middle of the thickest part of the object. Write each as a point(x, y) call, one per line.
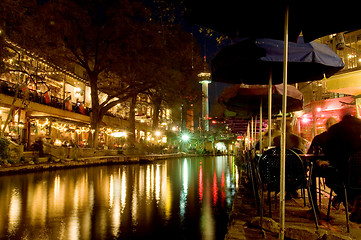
point(244, 220)
point(44, 165)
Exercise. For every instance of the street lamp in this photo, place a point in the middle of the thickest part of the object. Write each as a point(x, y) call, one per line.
point(185, 137)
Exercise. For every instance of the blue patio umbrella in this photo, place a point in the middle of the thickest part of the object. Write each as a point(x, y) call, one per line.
point(260, 61)
point(250, 61)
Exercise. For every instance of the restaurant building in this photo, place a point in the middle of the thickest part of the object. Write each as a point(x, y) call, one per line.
point(57, 107)
point(330, 97)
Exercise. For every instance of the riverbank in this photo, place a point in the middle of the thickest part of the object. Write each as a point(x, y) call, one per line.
point(44, 164)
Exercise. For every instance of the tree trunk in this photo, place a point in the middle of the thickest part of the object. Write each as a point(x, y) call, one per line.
point(95, 117)
point(156, 105)
point(10, 114)
point(131, 138)
point(184, 117)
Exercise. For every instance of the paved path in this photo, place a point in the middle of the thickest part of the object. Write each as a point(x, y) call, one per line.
point(244, 220)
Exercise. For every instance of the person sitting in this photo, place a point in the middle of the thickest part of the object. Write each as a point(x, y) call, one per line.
point(320, 168)
point(344, 138)
point(293, 141)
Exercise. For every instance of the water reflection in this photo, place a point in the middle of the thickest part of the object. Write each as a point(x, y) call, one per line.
point(180, 198)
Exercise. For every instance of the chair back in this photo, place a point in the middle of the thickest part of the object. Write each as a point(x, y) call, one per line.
point(269, 169)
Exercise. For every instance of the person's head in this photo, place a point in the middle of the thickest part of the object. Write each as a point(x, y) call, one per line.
point(329, 122)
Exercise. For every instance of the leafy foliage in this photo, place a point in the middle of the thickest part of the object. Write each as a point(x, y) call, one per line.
point(121, 47)
point(4, 148)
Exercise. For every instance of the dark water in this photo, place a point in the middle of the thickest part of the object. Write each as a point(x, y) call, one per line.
point(188, 198)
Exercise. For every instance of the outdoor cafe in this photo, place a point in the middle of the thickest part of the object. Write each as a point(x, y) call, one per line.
point(302, 169)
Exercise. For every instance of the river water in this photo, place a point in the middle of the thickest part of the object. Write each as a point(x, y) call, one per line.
point(185, 198)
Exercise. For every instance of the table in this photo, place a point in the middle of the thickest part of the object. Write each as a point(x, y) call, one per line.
point(309, 157)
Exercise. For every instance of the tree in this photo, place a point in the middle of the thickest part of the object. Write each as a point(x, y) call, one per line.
point(99, 36)
point(12, 62)
point(118, 45)
point(178, 80)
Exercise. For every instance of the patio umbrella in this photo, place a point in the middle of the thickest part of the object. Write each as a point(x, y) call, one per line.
point(251, 60)
point(269, 19)
point(260, 61)
point(245, 99)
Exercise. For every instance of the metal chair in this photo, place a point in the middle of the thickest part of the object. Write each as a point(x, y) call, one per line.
point(350, 182)
point(269, 176)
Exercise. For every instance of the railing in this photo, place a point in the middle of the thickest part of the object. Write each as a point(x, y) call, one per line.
point(9, 89)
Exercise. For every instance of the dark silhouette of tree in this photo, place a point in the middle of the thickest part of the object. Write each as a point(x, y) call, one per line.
point(98, 36)
point(120, 47)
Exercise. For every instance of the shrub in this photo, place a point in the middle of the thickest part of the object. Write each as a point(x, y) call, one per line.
point(4, 148)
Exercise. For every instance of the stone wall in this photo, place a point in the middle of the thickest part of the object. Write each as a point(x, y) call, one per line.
point(76, 153)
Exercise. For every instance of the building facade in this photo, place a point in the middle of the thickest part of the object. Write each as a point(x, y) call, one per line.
point(54, 105)
point(331, 97)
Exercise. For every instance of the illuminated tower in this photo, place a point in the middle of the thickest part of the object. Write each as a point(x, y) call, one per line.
point(205, 79)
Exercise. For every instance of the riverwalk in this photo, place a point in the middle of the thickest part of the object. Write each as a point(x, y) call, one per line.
point(44, 164)
point(299, 222)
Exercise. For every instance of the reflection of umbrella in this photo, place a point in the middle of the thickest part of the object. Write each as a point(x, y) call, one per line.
point(250, 61)
point(245, 99)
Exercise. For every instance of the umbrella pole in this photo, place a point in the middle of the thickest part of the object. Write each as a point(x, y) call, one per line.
point(255, 132)
point(283, 131)
point(251, 132)
point(249, 137)
point(260, 128)
point(270, 108)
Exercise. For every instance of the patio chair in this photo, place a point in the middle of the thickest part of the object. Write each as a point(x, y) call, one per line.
point(269, 176)
point(351, 183)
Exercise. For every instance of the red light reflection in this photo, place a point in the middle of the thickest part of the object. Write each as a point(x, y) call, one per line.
point(215, 189)
point(200, 181)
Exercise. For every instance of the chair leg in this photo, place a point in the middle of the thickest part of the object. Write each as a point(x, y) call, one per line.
point(346, 207)
point(329, 206)
point(303, 192)
point(253, 186)
point(312, 206)
point(269, 204)
point(261, 208)
point(275, 200)
point(319, 192)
